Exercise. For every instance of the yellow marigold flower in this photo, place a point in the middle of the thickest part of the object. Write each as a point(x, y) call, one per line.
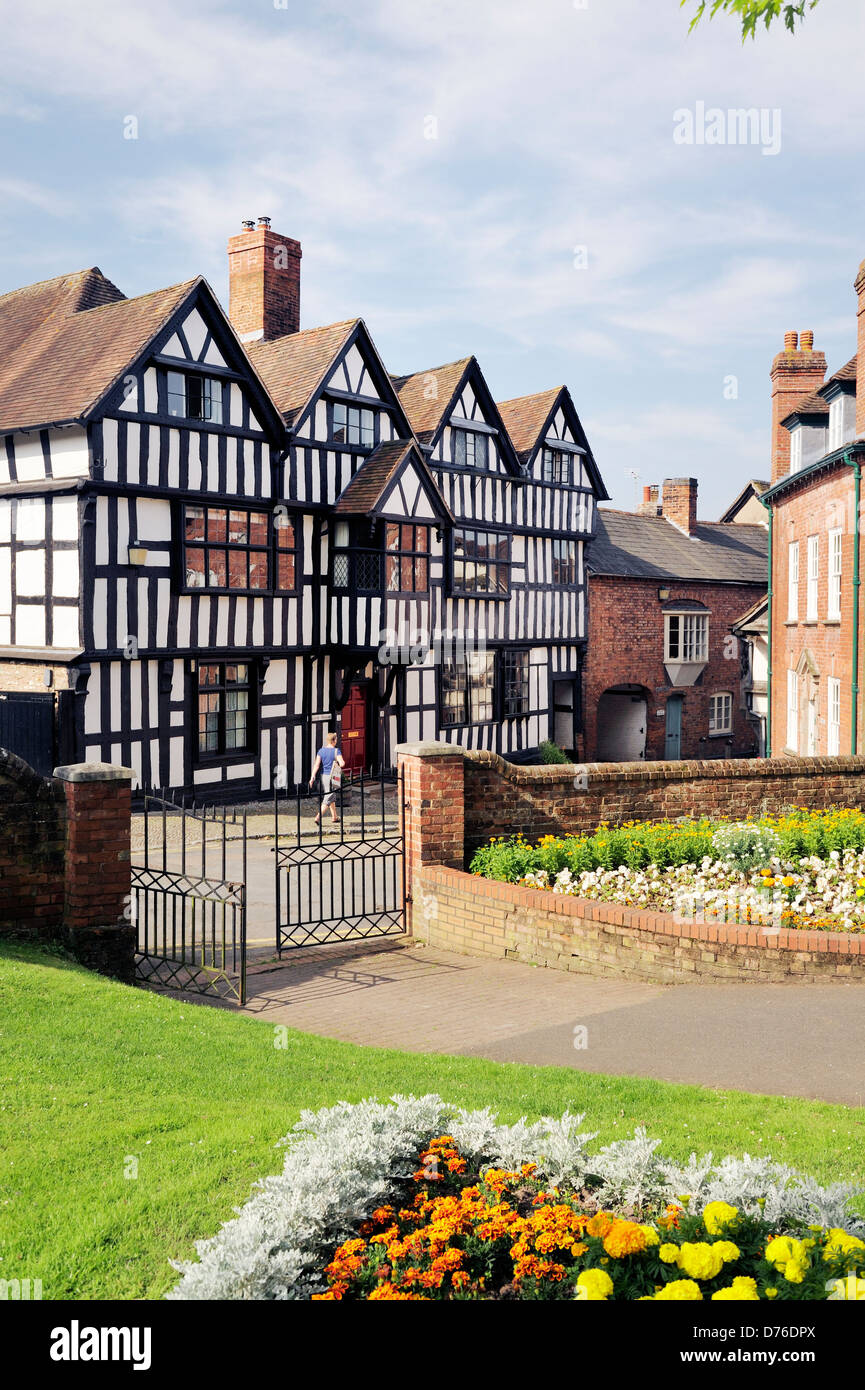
point(784, 1251)
point(681, 1290)
point(842, 1243)
point(652, 1237)
point(771, 1293)
point(727, 1250)
point(669, 1254)
point(742, 1290)
point(718, 1215)
point(624, 1238)
point(594, 1285)
point(700, 1260)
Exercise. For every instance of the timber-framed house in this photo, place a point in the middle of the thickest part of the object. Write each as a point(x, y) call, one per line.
point(221, 535)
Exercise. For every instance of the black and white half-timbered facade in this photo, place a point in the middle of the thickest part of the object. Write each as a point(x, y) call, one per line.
point(221, 536)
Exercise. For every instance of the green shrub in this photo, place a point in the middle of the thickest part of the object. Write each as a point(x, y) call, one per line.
point(551, 753)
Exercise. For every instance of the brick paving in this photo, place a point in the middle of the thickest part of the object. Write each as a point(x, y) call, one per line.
point(791, 1039)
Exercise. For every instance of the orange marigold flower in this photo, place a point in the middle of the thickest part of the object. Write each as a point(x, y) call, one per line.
point(624, 1238)
point(600, 1224)
point(391, 1293)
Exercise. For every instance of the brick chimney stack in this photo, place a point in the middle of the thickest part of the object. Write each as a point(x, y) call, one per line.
point(679, 503)
point(649, 505)
point(264, 282)
point(796, 372)
point(860, 354)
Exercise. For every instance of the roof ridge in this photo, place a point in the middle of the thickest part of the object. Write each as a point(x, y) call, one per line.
point(425, 371)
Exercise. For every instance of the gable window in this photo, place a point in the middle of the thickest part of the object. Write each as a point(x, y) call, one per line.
point(230, 548)
point(470, 449)
point(721, 713)
point(468, 689)
point(515, 682)
point(565, 563)
point(193, 397)
point(793, 582)
point(556, 466)
point(406, 561)
point(796, 449)
point(224, 709)
point(813, 586)
point(353, 425)
point(481, 562)
point(834, 604)
point(686, 637)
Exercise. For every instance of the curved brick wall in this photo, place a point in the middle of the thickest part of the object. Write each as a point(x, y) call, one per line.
point(457, 911)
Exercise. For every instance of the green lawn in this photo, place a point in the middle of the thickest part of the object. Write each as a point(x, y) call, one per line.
point(93, 1074)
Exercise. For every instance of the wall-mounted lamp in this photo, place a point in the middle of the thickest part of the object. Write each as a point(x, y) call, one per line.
point(663, 595)
point(136, 554)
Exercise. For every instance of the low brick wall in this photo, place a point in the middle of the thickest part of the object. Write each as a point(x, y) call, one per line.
point(474, 916)
point(32, 849)
point(501, 799)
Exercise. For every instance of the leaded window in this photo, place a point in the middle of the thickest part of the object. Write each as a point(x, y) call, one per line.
point(515, 682)
point(470, 449)
point(556, 466)
point(468, 688)
point(481, 562)
point(407, 552)
point(224, 708)
point(565, 563)
point(353, 424)
point(193, 397)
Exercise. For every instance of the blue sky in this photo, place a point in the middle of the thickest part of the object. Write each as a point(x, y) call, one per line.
point(553, 125)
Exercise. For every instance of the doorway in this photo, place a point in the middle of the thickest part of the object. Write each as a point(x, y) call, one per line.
point(673, 729)
point(354, 732)
point(622, 721)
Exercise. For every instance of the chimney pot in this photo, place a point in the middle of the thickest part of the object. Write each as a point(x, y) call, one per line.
point(264, 221)
point(248, 225)
point(806, 341)
point(791, 342)
point(647, 493)
point(794, 374)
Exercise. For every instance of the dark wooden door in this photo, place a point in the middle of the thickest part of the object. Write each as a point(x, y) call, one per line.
point(353, 739)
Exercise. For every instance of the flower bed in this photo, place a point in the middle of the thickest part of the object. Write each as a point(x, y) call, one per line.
point(418, 1200)
point(804, 869)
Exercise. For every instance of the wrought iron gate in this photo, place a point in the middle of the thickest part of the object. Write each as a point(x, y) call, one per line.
point(343, 881)
point(190, 914)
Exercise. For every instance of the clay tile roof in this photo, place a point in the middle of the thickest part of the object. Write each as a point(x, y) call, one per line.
point(362, 494)
point(424, 408)
point(72, 337)
point(294, 366)
point(525, 417)
point(845, 373)
point(812, 404)
point(648, 547)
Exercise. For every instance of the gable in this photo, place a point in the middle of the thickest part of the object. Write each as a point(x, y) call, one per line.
point(471, 404)
point(394, 482)
point(407, 497)
point(354, 371)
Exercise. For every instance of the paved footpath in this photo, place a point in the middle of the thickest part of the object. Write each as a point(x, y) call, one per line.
point(791, 1039)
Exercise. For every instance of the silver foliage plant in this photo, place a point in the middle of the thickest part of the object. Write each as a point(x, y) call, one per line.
point(344, 1161)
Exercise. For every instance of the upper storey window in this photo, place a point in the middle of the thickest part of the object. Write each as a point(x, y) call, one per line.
point(193, 397)
point(470, 449)
point(353, 425)
point(796, 449)
point(556, 466)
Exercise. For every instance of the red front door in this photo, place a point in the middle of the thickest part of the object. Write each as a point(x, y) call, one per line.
point(353, 738)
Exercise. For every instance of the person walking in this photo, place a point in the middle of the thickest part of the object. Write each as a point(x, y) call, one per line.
point(330, 762)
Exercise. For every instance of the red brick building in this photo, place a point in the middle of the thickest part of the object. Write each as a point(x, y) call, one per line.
point(664, 673)
point(818, 451)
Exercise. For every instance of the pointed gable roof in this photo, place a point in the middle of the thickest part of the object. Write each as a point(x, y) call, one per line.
point(368, 489)
point(295, 367)
point(528, 419)
point(427, 408)
point(74, 337)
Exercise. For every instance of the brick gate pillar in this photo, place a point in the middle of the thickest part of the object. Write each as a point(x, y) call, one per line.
point(97, 923)
point(433, 809)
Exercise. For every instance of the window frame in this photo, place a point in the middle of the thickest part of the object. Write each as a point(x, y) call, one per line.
point(274, 546)
point(207, 757)
point(836, 422)
point(416, 555)
point(550, 468)
point(683, 659)
point(212, 389)
point(509, 656)
point(833, 717)
point(715, 729)
point(796, 448)
point(812, 574)
point(480, 449)
point(501, 566)
point(349, 408)
point(792, 710)
point(556, 563)
point(833, 594)
point(490, 674)
point(793, 582)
